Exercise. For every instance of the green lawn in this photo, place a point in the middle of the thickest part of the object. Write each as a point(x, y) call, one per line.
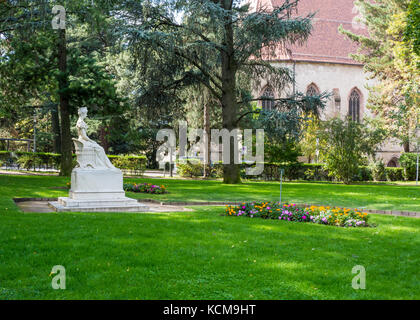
point(203, 255)
point(371, 196)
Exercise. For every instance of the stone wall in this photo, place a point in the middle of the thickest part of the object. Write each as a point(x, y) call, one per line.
point(340, 79)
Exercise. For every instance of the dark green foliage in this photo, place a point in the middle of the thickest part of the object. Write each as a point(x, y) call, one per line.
point(217, 44)
point(365, 174)
point(412, 33)
point(388, 56)
point(344, 146)
point(190, 169)
point(378, 171)
point(408, 161)
point(41, 67)
point(394, 174)
point(29, 160)
point(132, 164)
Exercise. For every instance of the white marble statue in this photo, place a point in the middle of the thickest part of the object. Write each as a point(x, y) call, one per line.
point(89, 153)
point(96, 185)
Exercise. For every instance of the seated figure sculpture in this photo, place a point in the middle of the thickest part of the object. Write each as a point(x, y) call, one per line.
point(96, 185)
point(88, 152)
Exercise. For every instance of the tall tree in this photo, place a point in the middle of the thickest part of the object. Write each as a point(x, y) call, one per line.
point(212, 42)
point(392, 62)
point(64, 67)
point(412, 32)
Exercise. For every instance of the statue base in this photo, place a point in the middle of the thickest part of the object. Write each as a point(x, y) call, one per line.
point(97, 190)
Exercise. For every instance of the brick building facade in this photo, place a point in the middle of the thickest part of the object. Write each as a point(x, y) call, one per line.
point(323, 63)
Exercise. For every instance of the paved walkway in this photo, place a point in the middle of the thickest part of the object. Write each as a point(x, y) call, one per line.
point(42, 206)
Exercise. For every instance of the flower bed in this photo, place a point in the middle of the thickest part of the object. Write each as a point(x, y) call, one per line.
point(341, 217)
point(145, 187)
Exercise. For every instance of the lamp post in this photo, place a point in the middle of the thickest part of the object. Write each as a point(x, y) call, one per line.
point(34, 130)
point(281, 182)
point(417, 157)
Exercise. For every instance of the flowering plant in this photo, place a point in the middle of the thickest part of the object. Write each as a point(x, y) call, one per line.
point(145, 187)
point(342, 217)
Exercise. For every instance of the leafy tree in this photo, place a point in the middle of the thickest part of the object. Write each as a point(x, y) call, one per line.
point(344, 146)
point(412, 32)
point(392, 61)
point(213, 42)
point(285, 125)
point(46, 67)
point(309, 142)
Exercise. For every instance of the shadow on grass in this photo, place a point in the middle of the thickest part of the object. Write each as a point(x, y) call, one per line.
point(202, 255)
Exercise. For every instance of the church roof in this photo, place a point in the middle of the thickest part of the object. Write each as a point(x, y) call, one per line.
point(325, 44)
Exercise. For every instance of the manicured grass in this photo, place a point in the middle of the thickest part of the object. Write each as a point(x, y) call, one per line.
point(201, 254)
point(370, 196)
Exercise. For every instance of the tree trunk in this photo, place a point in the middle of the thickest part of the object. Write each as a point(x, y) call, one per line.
point(406, 146)
point(103, 134)
point(66, 142)
point(231, 171)
point(55, 124)
point(207, 151)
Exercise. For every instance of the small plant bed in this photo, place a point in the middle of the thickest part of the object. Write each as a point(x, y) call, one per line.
point(341, 217)
point(145, 188)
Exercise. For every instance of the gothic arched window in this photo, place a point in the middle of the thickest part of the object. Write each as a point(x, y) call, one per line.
point(268, 104)
point(312, 90)
point(354, 105)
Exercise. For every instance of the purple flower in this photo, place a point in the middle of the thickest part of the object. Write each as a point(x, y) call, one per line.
point(243, 207)
point(304, 217)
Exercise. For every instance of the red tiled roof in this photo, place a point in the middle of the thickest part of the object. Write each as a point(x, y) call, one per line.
point(325, 44)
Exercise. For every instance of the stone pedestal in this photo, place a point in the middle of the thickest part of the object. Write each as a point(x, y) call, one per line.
point(97, 190)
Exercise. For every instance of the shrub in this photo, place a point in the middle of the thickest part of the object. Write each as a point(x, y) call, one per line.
point(408, 162)
point(394, 174)
point(135, 164)
point(190, 168)
point(378, 171)
point(365, 174)
point(341, 217)
point(28, 161)
point(343, 145)
point(216, 170)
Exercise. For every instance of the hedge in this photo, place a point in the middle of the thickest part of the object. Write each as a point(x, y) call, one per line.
point(130, 164)
point(30, 160)
point(408, 162)
point(292, 171)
